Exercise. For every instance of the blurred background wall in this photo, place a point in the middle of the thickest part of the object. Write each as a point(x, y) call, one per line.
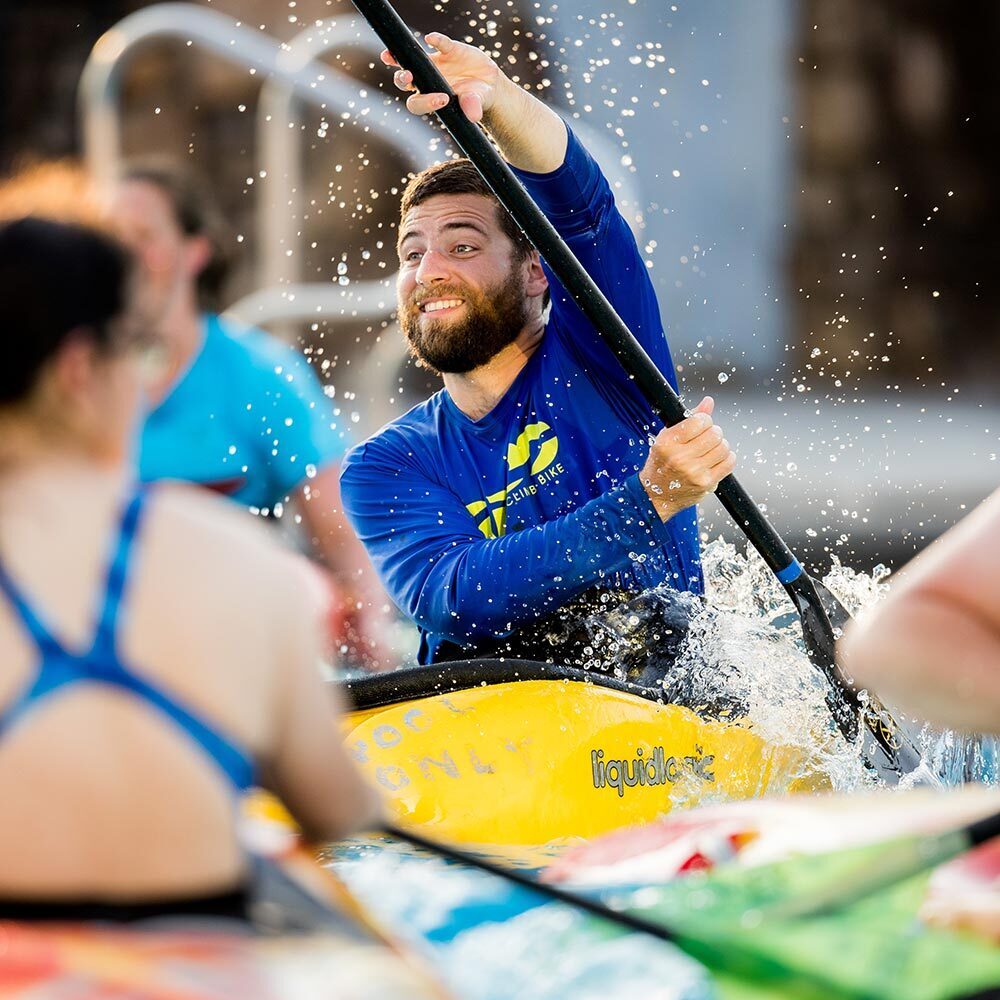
point(812, 184)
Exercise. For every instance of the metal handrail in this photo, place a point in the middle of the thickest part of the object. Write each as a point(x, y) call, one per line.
point(314, 300)
point(290, 75)
point(260, 53)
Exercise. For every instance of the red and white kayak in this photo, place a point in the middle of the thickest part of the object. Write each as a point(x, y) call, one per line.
point(965, 893)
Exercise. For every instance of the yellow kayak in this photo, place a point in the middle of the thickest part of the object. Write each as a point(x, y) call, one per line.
point(517, 753)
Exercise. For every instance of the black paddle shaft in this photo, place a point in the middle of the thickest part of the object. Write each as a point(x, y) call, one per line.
point(882, 750)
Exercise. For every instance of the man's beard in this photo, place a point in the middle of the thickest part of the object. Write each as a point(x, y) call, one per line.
point(493, 319)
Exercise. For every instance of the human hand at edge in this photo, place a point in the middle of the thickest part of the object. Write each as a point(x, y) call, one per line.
point(470, 72)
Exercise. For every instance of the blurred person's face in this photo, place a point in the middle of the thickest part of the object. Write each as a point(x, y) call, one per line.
point(463, 293)
point(169, 260)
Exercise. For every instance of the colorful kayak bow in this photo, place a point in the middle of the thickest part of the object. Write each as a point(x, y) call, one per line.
point(760, 931)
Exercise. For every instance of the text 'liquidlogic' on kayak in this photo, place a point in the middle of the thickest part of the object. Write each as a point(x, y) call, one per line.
point(657, 769)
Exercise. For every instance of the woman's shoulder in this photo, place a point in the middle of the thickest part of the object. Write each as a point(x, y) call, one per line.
point(217, 536)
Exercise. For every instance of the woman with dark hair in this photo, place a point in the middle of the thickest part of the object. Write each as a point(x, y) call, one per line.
point(159, 654)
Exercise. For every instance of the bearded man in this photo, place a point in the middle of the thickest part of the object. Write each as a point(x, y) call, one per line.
point(538, 472)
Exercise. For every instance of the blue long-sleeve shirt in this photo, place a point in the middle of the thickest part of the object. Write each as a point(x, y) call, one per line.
point(477, 527)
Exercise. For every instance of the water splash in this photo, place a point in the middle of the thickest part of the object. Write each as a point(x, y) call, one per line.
point(738, 653)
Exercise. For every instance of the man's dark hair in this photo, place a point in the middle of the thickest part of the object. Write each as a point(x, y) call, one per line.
point(461, 177)
point(56, 279)
point(196, 214)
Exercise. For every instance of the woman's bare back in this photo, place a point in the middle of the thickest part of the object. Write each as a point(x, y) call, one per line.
point(105, 796)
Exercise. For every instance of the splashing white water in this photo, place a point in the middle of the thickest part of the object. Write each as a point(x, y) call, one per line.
point(743, 657)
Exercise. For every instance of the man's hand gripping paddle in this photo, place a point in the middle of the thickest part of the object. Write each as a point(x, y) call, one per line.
point(886, 749)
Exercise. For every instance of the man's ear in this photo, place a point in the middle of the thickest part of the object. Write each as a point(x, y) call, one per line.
point(537, 283)
point(197, 255)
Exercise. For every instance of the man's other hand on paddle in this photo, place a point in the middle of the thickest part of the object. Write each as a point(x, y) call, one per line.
point(687, 462)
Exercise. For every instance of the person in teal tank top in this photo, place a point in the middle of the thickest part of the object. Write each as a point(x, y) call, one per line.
point(247, 419)
point(235, 409)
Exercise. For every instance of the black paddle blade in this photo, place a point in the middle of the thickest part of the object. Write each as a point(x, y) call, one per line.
point(886, 748)
point(839, 615)
point(818, 636)
point(879, 723)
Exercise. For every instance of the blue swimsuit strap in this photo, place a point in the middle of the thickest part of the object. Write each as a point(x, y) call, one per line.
point(57, 666)
point(103, 662)
point(42, 637)
point(116, 579)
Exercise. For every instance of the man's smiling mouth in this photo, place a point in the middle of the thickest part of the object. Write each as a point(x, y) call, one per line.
point(437, 305)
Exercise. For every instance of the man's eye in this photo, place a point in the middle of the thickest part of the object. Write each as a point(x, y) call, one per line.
point(412, 255)
point(464, 248)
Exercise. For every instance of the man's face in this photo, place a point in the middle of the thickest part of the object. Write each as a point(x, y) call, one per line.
point(144, 219)
point(462, 294)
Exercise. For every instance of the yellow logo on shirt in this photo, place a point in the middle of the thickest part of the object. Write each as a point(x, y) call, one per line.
point(519, 453)
point(535, 447)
